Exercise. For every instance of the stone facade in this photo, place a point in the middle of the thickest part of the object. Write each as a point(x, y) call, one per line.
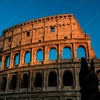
point(43, 79)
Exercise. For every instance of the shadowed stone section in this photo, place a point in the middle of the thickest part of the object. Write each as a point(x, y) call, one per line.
point(88, 82)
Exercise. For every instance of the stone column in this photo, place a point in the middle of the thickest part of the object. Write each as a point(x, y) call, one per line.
point(32, 56)
point(46, 53)
point(8, 83)
point(60, 52)
point(59, 79)
point(11, 60)
point(76, 78)
point(21, 58)
point(17, 87)
point(45, 80)
point(33, 80)
point(19, 80)
point(88, 50)
point(3, 62)
point(30, 84)
point(74, 51)
point(43, 53)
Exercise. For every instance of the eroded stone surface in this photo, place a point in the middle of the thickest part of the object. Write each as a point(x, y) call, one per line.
point(43, 34)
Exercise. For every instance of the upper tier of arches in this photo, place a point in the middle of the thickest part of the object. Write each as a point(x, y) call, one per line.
point(41, 54)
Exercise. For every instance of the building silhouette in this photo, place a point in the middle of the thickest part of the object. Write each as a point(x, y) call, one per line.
point(39, 59)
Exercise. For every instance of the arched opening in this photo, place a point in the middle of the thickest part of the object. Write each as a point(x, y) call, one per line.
point(53, 54)
point(0, 61)
point(39, 55)
point(67, 78)
point(16, 59)
point(13, 82)
point(66, 53)
point(38, 80)
point(27, 57)
point(25, 81)
point(52, 81)
point(3, 83)
point(7, 62)
point(81, 52)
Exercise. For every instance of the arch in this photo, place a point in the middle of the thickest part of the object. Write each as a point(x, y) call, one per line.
point(16, 59)
point(38, 80)
point(53, 54)
point(27, 57)
point(7, 62)
point(39, 55)
point(52, 81)
point(25, 81)
point(3, 83)
point(67, 78)
point(81, 52)
point(66, 53)
point(0, 61)
point(13, 82)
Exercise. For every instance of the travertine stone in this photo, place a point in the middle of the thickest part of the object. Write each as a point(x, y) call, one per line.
point(57, 32)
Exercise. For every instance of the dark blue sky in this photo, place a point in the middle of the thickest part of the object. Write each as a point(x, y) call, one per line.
point(87, 12)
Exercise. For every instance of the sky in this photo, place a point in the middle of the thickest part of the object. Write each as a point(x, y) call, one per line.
point(87, 13)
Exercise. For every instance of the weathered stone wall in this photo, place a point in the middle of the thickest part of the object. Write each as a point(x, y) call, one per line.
point(43, 34)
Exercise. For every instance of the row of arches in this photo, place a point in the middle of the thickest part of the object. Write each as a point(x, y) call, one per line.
point(38, 81)
point(66, 54)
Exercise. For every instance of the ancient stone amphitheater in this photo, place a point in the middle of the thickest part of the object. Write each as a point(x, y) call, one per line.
point(34, 63)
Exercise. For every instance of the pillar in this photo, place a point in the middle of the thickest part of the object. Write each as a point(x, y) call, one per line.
point(46, 53)
point(21, 58)
point(76, 78)
point(11, 60)
point(45, 80)
point(8, 83)
point(3, 62)
point(74, 51)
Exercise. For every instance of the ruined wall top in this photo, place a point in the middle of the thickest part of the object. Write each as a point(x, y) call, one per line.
point(43, 30)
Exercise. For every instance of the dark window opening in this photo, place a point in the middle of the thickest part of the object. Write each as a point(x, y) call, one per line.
point(53, 54)
point(16, 59)
point(38, 80)
point(73, 23)
point(67, 79)
point(3, 83)
point(52, 29)
point(9, 39)
point(52, 81)
point(13, 82)
point(27, 57)
point(39, 40)
point(25, 81)
point(28, 33)
point(68, 24)
point(65, 37)
point(7, 62)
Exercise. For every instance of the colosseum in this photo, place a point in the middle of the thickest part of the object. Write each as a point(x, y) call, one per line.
point(39, 59)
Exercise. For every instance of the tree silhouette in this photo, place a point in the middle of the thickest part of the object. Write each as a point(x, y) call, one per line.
point(88, 82)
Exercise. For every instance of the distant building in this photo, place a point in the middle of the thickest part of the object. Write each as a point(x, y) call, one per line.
point(39, 59)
